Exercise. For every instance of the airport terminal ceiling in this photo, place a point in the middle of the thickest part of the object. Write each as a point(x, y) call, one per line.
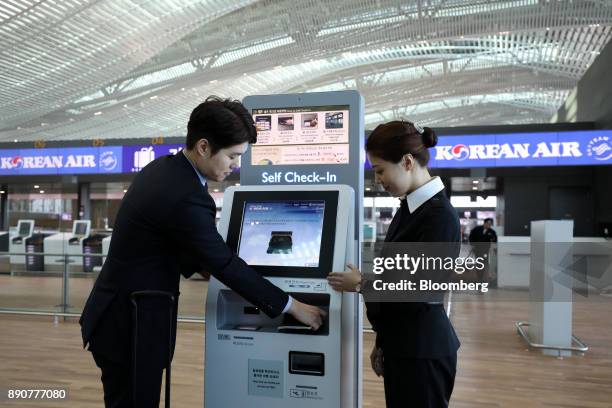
point(75, 69)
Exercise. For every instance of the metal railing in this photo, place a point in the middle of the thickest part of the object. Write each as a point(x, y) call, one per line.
point(64, 313)
point(580, 348)
point(65, 275)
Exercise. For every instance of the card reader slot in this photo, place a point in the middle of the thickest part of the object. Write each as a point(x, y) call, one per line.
point(306, 363)
point(235, 313)
point(291, 325)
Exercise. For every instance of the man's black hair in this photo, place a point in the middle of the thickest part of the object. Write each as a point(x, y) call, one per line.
point(488, 219)
point(223, 122)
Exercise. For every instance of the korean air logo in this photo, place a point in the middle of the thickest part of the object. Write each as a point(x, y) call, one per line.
point(108, 160)
point(599, 148)
point(460, 152)
point(17, 162)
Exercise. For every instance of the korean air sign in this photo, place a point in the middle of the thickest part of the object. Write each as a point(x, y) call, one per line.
point(75, 160)
point(578, 148)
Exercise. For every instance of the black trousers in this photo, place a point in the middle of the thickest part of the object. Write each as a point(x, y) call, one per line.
point(119, 387)
point(419, 383)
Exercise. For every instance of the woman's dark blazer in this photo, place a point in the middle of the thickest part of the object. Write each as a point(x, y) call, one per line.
point(418, 329)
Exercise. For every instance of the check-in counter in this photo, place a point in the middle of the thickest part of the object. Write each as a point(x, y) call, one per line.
point(56, 244)
point(593, 255)
point(369, 231)
point(67, 247)
point(5, 265)
point(93, 245)
point(17, 244)
point(35, 245)
point(105, 246)
point(514, 261)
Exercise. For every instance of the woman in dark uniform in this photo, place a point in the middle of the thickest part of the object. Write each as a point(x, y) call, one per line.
point(416, 345)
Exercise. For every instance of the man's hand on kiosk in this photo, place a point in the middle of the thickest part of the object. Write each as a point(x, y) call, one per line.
point(346, 281)
point(307, 314)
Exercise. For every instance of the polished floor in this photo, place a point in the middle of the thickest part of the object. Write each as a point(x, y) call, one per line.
point(495, 368)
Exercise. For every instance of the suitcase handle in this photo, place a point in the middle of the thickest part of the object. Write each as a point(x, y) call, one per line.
point(134, 297)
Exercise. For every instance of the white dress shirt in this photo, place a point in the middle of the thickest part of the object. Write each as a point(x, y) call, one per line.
point(419, 196)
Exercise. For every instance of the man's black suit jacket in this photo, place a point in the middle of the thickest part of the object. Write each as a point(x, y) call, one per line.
point(418, 329)
point(165, 227)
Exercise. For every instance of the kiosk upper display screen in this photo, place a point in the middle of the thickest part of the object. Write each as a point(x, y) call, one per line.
point(24, 228)
point(80, 228)
point(282, 233)
point(305, 135)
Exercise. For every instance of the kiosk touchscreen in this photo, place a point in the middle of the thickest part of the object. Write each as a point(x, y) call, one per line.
point(17, 244)
point(294, 236)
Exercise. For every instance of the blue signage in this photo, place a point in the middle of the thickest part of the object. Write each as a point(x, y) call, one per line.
point(578, 148)
point(136, 157)
point(72, 160)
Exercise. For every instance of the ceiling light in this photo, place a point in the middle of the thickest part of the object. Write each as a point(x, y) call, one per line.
point(237, 184)
point(15, 140)
point(98, 113)
point(153, 97)
point(475, 181)
point(125, 190)
point(42, 191)
point(368, 189)
point(2, 191)
point(216, 190)
point(474, 188)
point(36, 186)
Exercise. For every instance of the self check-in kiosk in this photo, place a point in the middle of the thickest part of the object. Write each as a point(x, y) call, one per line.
point(67, 244)
point(25, 229)
point(93, 246)
point(254, 361)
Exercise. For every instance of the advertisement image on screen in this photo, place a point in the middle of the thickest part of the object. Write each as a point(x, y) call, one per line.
point(285, 122)
point(305, 135)
point(263, 123)
point(309, 120)
point(282, 233)
point(334, 120)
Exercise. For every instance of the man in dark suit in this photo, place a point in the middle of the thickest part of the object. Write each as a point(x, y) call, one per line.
point(165, 227)
point(482, 237)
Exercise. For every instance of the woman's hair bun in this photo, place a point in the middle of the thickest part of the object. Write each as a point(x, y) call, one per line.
point(429, 137)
